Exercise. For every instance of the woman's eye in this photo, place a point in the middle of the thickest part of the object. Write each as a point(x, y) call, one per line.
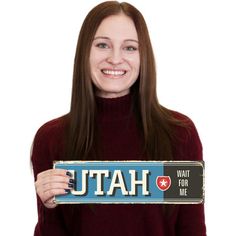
point(130, 48)
point(102, 45)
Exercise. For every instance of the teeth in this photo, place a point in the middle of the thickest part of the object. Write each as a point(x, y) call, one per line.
point(114, 72)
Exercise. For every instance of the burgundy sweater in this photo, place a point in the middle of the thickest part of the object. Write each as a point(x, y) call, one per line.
point(120, 140)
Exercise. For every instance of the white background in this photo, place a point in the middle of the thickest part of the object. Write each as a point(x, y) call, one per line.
point(195, 47)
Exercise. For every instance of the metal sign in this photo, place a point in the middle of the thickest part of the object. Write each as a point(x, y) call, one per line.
point(176, 182)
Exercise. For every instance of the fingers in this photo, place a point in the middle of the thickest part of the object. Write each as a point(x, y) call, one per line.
point(56, 185)
point(47, 180)
point(50, 172)
point(48, 195)
point(52, 182)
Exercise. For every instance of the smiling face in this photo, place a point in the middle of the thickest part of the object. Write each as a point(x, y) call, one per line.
point(114, 56)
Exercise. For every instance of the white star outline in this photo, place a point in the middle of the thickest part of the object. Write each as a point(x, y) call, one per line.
point(163, 182)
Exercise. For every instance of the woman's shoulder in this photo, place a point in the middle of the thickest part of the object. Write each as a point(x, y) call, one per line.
point(187, 142)
point(180, 116)
point(48, 144)
point(183, 122)
point(52, 128)
point(49, 138)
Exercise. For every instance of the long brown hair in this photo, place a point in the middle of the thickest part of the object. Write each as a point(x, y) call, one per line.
point(155, 120)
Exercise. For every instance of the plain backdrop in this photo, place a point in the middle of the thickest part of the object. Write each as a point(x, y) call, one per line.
point(195, 49)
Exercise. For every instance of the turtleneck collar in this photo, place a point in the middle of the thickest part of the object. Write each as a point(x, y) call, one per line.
point(114, 108)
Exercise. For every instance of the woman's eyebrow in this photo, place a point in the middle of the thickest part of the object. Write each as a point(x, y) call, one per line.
point(101, 37)
point(107, 38)
point(132, 40)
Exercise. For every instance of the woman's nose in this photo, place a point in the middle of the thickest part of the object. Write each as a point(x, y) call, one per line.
point(115, 57)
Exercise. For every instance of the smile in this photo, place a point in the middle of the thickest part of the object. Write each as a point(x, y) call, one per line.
point(114, 72)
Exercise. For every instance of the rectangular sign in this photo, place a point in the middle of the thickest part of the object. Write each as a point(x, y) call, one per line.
point(175, 182)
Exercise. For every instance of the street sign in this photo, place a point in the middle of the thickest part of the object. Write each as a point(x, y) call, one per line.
point(161, 182)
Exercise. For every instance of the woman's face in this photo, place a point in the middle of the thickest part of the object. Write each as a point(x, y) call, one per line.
point(114, 56)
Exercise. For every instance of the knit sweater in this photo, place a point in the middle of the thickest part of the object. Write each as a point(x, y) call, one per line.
point(119, 139)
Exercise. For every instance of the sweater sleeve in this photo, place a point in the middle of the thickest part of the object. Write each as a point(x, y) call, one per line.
point(49, 220)
point(191, 219)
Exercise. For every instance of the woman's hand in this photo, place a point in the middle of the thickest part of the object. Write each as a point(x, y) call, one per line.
point(52, 182)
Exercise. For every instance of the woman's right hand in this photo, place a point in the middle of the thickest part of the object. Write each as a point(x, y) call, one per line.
point(52, 182)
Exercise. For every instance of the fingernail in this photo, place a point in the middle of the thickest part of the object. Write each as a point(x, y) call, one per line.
point(70, 185)
point(67, 190)
point(68, 173)
point(71, 181)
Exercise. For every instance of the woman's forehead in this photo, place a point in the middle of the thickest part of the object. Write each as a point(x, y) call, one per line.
point(118, 27)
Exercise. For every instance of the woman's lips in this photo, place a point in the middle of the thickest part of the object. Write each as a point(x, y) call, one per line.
point(113, 72)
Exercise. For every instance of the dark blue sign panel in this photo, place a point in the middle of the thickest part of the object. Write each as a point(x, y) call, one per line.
point(134, 182)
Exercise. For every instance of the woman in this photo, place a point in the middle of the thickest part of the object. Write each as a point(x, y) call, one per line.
point(114, 115)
